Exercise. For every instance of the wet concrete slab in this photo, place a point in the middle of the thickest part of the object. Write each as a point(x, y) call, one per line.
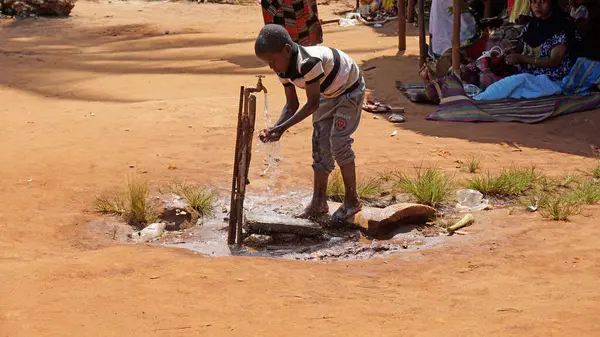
point(282, 223)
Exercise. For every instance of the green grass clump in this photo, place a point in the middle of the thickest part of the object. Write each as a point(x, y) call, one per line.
point(368, 188)
point(558, 207)
point(473, 164)
point(508, 183)
point(335, 187)
point(110, 204)
point(595, 171)
point(134, 206)
point(428, 186)
point(139, 212)
point(199, 198)
point(587, 192)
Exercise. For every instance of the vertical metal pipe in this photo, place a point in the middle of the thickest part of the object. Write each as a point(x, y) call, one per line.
point(249, 106)
point(245, 164)
point(234, 184)
point(251, 124)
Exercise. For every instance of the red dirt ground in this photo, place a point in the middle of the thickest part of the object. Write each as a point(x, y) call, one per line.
point(86, 97)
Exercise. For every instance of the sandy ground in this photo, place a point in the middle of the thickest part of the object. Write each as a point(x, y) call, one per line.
point(86, 97)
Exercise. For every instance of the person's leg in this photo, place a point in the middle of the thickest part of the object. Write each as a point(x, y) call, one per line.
point(323, 162)
point(345, 122)
point(351, 200)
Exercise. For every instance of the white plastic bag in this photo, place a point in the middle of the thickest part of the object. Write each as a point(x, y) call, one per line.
point(470, 200)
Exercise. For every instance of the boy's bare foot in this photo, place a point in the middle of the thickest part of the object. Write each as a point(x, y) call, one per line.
point(345, 212)
point(314, 211)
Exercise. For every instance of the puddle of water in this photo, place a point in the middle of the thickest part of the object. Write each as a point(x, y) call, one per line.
point(329, 244)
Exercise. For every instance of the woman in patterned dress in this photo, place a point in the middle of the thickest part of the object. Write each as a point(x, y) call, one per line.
point(550, 42)
point(299, 17)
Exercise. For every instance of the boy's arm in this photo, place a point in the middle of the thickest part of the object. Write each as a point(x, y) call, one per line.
point(291, 105)
point(313, 95)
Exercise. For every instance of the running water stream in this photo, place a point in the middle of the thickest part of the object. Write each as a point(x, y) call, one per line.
point(272, 151)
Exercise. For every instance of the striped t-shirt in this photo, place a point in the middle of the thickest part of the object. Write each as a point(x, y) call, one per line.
point(334, 69)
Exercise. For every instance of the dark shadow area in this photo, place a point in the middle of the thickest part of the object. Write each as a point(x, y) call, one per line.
point(33, 47)
point(572, 134)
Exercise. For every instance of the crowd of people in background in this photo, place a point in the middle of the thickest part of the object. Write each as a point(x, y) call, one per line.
point(538, 37)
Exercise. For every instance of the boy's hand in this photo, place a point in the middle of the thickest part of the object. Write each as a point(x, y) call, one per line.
point(270, 135)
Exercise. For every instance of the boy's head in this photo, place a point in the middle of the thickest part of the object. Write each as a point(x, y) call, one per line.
point(274, 46)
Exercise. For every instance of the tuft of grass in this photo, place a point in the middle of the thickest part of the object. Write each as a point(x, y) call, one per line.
point(110, 204)
point(568, 181)
point(139, 212)
point(335, 187)
point(428, 186)
point(199, 198)
point(510, 182)
point(368, 188)
point(595, 172)
point(473, 164)
point(386, 176)
point(558, 207)
point(443, 222)
point(587, 192)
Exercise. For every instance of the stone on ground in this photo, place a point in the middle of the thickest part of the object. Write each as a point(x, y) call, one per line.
point(258, 240)
point(381, 221)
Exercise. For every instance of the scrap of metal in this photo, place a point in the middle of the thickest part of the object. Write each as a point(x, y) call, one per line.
point(242, 156)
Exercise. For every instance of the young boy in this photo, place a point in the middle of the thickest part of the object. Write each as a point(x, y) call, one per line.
point(334, 90)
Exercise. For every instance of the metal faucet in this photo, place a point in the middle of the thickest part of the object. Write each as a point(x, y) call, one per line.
point(259, 86)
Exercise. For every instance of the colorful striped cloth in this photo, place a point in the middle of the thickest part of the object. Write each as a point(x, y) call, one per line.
point(457, 107)
point(299, 17)
point(584, 75)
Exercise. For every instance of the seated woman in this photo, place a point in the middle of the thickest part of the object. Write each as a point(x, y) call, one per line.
point(548, 46)
point(550, 42)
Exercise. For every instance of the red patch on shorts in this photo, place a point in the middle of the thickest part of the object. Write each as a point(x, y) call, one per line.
point(340, 124)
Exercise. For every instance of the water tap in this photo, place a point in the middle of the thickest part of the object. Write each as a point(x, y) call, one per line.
point(259, 86)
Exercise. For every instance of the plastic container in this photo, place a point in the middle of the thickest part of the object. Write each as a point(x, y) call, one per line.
point(151, 231)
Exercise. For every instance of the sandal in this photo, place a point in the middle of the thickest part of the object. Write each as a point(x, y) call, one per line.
point(378, 107)
point(343, 213)
point(396, 118)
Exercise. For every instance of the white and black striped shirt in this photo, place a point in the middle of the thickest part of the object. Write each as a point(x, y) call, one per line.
point(334, 69)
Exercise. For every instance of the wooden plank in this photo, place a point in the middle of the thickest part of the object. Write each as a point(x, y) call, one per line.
point(411, 12)
point(422, 38)
point(456, 6)
point(401, 25)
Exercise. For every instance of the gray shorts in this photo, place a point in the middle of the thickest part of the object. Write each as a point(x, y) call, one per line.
point(334, 123)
